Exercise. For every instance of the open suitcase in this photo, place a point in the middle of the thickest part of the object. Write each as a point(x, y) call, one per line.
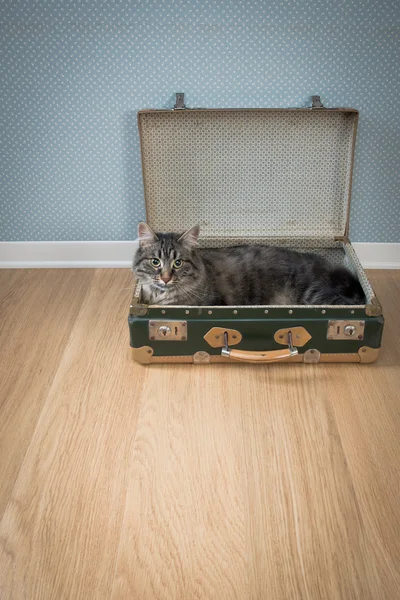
point(264, 176)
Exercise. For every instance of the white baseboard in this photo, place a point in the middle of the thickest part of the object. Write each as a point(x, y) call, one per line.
point(378, 255)
point(58, 255)
point(112, 254)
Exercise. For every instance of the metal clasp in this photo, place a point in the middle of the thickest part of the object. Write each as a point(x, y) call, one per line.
point(293, 351)
point(226, 350)
point(180, 101)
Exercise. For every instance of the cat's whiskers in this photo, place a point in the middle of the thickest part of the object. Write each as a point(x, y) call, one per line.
point(188, 293)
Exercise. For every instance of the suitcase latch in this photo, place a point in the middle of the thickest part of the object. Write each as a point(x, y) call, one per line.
point(346, 330)
point(170, 331)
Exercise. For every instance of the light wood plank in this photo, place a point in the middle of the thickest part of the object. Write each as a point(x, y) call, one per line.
point(12, 279)
point(38, 310)
point(305, 532)
point(60, 530)
point(192, 482)
point(367, 409)
point(183, 532)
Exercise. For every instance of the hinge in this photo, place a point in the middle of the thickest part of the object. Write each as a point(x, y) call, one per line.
point(316, 102)
point(180, 101)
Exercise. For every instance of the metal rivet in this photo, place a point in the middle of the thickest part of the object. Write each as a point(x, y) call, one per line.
point(151, 323)
point(234, 337)
point(290, 312)
point(312, 351)
point(210, 312)
point(187, 312)
point(323, 312)
point(217, 337)
point(266, 312)
point(298, 336)
point(183, 324)
point(235, 312)
point(281, 337)
point(364, 350)
point(152, 337)
point(149, 351)
point(352, 312)
point(163, 312)
point(183, 337)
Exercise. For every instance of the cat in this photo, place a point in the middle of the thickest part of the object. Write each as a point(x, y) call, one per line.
point(172, 270)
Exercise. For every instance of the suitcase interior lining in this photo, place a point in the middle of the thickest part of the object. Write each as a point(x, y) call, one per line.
point(276, 172)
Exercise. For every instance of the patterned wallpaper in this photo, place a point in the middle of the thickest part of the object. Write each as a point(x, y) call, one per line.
point(74, 73)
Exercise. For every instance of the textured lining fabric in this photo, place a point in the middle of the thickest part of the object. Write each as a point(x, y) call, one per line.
point(248, 173)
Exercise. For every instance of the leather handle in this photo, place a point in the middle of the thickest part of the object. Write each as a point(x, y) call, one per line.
point(263, 357)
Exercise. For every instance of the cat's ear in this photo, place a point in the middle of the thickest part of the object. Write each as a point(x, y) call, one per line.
point(146, 235)
point(190, 237)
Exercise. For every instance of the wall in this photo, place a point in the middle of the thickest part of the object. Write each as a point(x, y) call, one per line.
point(74, 74)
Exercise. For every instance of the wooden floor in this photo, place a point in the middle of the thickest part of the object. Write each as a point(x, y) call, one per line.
point(194, 482)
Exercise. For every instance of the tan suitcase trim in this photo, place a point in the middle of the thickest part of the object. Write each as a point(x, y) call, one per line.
point(144, 356)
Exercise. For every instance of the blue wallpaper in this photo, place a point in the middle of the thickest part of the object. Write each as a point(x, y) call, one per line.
point(74, 73)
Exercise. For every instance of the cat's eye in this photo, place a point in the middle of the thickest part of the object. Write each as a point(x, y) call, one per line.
point(177, 263)
point(155, 262)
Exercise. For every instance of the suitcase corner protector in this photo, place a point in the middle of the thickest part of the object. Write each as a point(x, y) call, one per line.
point(374, 309)
point(142, 355)
point(368, 355)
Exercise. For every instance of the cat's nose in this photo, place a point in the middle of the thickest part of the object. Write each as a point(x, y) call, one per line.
point(166, 277)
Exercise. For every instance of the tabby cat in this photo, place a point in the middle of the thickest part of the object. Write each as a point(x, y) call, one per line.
point(172, 270)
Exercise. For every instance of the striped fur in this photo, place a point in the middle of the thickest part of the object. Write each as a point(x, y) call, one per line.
point(237, 275)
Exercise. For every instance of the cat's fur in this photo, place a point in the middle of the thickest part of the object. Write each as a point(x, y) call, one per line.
point(236, 275)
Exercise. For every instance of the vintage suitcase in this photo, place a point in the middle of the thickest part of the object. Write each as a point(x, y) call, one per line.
point(265, 176)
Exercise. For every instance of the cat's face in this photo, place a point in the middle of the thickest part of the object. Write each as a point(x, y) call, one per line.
point(165, 261)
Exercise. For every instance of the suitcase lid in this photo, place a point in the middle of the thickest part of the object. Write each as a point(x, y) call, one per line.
point(249, 173)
